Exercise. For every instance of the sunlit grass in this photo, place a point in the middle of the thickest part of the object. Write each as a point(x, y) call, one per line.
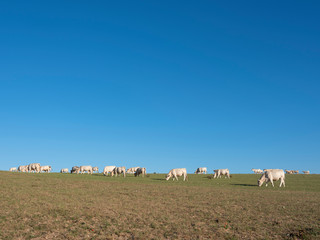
point(71, 206)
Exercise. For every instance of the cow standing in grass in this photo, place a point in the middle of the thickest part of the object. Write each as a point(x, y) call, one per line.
point(95, 169)
point(45, 169)
point(13, 169)
point(221, 172)
point(306, 172)
point(201, 170)
point(256, 171)
point(23, 168)
point(119, 170)
point(64, 170)
point(75, 169)
point(272, 175)
point(34, 167)
point(177, 172)
point(87, 169)
point(108, 169)
point(140, 171)
point(289, 171)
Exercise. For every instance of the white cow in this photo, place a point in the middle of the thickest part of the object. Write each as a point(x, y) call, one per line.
point(95, 169)
point(108, 169)
point(256, 171)
point(87, 169)
point(272, 175)
point(140, 171)
point(132, 170)
point(75, 169)
point(34, 167)
point(177, 172)
point(201, 170)
point(119, 170)
point(45, 169)
point(23, 168)
point(289, 171)
point(221, 172)
point(13, 169)
point(64, 170)
point(306, 172)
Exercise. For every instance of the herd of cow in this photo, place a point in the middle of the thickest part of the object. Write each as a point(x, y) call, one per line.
point(113, 170)
point(268, 175)
point(287, 171)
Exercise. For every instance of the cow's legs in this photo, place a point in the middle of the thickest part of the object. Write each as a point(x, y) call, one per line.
point(282, 182)
point(175, 176)
point(272, 182)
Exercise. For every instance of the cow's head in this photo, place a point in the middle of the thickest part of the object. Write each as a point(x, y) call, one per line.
point(168, 176)
point(262, 179)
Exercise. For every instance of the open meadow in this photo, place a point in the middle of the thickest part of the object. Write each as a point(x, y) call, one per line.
point(71, 206)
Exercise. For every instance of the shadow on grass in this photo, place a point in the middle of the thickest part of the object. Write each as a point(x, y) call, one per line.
point(159, 179)
point(245, 185)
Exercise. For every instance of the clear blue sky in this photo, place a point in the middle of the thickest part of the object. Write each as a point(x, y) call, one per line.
point(160, 84)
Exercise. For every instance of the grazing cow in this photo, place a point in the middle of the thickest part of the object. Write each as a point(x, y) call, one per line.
point(306, 172)
point(23, 168)
point(272, 175)
point(75, 169)
point(119, 170)
point(108, 169)
point(34, 167)
point(177, 172)
point(221, 172)
point(132, 170)
point(45, 169)
point(87, 169)
point(13, 169)
point(289, 171)
point(140, 171)
point(201, 170)
point(256, 171)
point(64, 170)
point(296, 171)
point(95, 169)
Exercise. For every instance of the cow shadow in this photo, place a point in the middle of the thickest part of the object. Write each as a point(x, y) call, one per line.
point(159, 179)
point(98, 175)
point(244, 185)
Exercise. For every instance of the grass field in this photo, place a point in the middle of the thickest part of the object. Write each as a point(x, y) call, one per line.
point(65, 206)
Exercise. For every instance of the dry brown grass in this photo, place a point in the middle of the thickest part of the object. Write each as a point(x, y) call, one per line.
point(48, 206)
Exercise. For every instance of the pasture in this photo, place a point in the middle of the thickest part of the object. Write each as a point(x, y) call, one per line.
point(70, 206)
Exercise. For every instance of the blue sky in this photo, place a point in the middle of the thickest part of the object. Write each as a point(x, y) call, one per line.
point(160, 84)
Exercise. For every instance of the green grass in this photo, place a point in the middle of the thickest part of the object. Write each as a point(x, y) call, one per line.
point(70, 206)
